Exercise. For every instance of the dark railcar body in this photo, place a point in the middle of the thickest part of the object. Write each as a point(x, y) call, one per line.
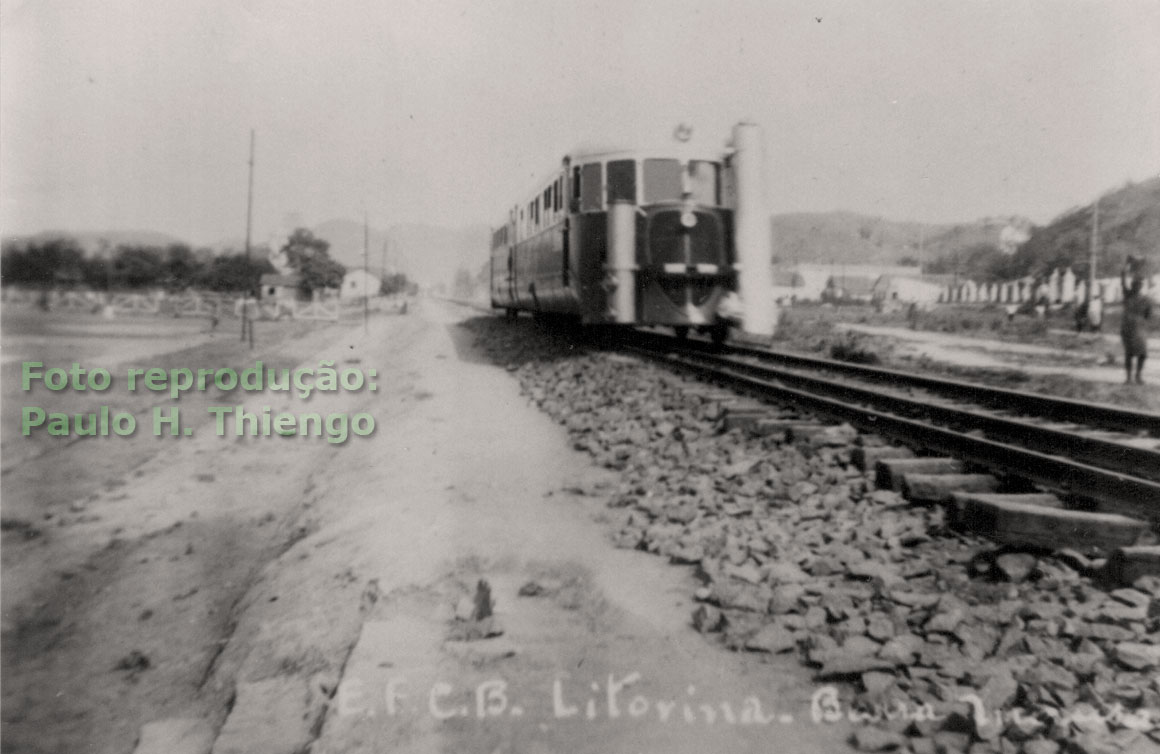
point(672, 262)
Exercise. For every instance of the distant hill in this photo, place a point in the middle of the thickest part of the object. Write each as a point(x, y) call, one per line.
point(849, 238)
point(1129, 225)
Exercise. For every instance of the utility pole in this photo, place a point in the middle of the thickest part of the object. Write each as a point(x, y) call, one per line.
point(247, 324)
point(250, 197)
point(921, 244)
point(1092, 253)
point(366, 271)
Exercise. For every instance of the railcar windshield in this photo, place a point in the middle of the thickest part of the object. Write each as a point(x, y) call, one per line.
point(703, 181)
point(662, 181)
point(665, 180)
point(622, 181)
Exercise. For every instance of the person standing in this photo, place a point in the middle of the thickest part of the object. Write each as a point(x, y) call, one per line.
point(1137, 310)
point(1095, 312)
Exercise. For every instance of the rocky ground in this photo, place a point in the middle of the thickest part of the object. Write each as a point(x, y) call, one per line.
point(935, 641)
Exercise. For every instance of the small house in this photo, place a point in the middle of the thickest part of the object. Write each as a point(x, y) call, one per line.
point(849, 289)
point(281, 287)
point(360, 284)
point(894, 290)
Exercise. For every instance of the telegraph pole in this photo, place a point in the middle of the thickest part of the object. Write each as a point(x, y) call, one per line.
point(250, 197)
point(247, 325)
point(366, 271)
point(1092, 252)
point(921, 247)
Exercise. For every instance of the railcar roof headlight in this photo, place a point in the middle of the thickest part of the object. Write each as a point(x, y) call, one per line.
point(688, 219)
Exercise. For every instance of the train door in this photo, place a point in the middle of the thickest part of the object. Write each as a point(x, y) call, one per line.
point(513, 236)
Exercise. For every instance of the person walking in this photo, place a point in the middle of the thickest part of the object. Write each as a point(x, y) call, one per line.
point(1133, 330)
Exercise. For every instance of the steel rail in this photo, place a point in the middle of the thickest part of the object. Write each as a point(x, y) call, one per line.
point(1113, 490)
point(1058, 409)
point(1138, 462)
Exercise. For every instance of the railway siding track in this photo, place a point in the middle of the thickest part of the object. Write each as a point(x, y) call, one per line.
point(1022, 486)
point(1063, 410)
point(1112, 476)
point(1004, 509)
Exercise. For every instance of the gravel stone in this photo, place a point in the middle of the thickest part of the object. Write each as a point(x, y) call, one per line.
point(774, 639)
point(876, 739)
point(1138, 656)
point(797, 550)
point(1016, 567)
point(707, 619)
point(902, 649)
point(1041, 746)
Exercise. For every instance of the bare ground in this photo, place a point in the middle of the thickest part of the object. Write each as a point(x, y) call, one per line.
point(273, 591)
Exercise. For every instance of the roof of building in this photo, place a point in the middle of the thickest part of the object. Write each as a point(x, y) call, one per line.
point(278, 279)
point(853, 285)
point(363, 270)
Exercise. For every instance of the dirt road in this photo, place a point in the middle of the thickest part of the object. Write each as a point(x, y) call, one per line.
point(270, 595)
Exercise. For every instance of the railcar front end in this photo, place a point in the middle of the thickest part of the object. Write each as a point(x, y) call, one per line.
point(654, 241)
point(637, 237)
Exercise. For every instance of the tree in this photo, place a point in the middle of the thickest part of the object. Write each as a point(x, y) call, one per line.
point(42, 263)
point(137, 266)
point(97, 272)
point(397, 283)
point(180, 268)
point(234, 272)
point(310, 257)
point(980, 261)
point(303, 244)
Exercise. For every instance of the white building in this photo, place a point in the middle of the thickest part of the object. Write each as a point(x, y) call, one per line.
point(807, 281)
point(892, 291)
point(359, 284)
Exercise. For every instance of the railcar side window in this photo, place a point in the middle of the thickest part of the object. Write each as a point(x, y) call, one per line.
point(662, 181)
point(622, 181)
point(590, 186)
point(703, 181)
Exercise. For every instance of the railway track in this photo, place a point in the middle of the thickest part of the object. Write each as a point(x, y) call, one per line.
point(1132, 425)
point(1027, 468)
point(1020, 460)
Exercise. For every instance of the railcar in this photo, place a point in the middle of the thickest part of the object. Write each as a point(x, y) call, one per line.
point(629, 237)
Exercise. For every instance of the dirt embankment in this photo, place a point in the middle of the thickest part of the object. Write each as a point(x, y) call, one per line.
point(126, 559)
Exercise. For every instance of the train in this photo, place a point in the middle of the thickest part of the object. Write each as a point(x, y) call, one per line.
point(631, 237)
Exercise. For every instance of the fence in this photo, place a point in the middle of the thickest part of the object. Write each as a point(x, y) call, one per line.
point(186, 304)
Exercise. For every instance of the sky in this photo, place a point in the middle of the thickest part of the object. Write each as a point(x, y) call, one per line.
point(136, 114)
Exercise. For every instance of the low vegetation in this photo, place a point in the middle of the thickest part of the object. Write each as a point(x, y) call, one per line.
point(61, 263)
